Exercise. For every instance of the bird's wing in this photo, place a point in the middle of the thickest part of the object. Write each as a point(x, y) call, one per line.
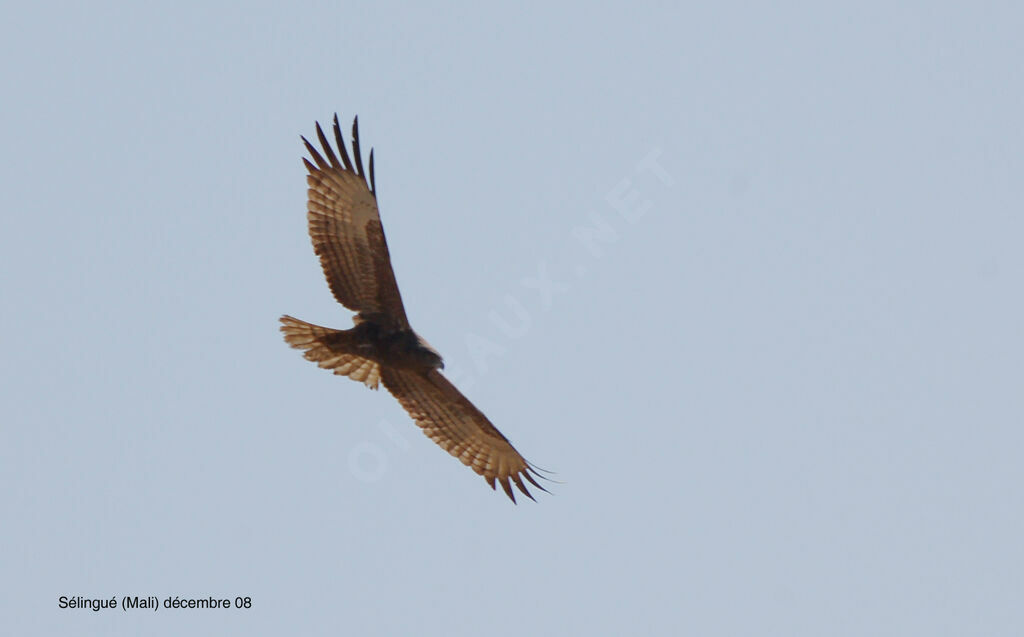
point(449, 419)
point(344, 224)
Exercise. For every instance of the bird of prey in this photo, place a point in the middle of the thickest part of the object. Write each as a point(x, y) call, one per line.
point(347, 235)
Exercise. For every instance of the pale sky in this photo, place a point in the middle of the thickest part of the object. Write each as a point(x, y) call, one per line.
point(747, 279)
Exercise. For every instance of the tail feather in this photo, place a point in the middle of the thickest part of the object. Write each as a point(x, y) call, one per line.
point(330, 349)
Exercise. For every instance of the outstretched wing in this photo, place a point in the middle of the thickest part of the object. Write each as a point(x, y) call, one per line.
point(344, 224)
point(449, 419)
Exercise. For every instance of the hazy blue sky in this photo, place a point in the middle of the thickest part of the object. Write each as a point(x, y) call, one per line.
point(748, 279)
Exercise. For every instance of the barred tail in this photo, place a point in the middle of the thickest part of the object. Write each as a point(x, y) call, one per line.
point(331, 349)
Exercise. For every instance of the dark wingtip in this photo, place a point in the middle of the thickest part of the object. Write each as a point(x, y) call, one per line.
point(537, 471)
point(521, 486)
point(327, 147)
point(316, 156)
point(507, 488)
point(526, 474)
point(350, 163)
point(373, 181)
point(341, 145)
point(355, 148)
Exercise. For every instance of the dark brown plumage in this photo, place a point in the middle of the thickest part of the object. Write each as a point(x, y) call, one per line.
point(347, 235)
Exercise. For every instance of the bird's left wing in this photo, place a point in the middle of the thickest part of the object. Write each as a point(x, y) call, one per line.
point(344, 224)
point(449, 419)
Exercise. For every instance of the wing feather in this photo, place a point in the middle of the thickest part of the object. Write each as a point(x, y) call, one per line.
point(448, 418)
point(355, 148)
point(341, 145)
point(344, 224)
point(326, 146)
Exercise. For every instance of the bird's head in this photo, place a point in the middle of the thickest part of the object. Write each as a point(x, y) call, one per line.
point(429, 354)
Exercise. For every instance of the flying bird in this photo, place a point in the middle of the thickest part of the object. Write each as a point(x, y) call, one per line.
point(344, 224)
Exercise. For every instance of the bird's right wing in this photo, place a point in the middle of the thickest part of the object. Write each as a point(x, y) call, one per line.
point(449, 419)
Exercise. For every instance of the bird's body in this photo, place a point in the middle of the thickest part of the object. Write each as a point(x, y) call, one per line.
point(344, 224)
point(400, 348)
point(372, 340)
